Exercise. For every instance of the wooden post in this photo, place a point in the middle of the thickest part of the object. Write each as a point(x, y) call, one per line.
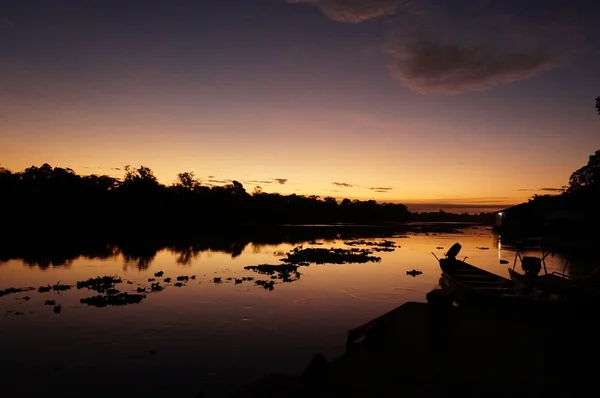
point(440, 317)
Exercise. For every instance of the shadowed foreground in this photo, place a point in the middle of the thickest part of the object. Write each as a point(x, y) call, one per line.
point(490, 354)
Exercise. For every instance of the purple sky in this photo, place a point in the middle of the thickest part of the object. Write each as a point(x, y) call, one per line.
point(451, 104)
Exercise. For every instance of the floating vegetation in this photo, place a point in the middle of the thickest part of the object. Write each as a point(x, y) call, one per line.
point(57, 309)
point(12, 290)
point(381, 244)
point(113, 300)
point(440, 248)
point(159, 274)
point(217, 279)
point(151, 279)
point(167, 280)
point(100, 284)
point(58, 287)
point(26, 298)
point(141, 290)
point(183, 278)
point(414, 273)
point(129, 282)
point(503, 261)
point(285, 272)
point(384, 249)
point(266, 284)
point(238, 281)
point(49, 302)
point(178, 284)
point(483, 248)
point(156, 287)
point(304, 257)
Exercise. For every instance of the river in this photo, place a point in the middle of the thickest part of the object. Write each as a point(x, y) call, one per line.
point(205, 335)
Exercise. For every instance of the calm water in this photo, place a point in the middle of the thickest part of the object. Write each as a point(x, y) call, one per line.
point(205, 335)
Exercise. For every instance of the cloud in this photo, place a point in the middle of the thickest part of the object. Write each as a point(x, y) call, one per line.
point(437, 46)
point(260, 182)
point(354, 11)
point(116, 168)
point(281, 181)
point(543, 190)
point(211, 176)
point(455, 207)
point(381, 189)
point(220, 181)
point(342, 184)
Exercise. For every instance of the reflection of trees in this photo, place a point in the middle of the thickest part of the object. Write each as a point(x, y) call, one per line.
point(56, 255)
point(139, 253)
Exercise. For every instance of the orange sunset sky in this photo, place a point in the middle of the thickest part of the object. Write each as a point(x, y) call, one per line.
point(309, 96)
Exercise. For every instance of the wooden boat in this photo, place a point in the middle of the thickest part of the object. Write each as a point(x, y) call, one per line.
point(472, 286)
point(550, 283)
point(555, 282)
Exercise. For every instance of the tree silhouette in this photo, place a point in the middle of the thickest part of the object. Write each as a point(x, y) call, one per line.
point(52, 201)
point(587, 177)
point(187, 181)
point(598, 105)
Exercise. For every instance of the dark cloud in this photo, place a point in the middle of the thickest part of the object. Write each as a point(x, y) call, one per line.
point(470, 45)
point(343, 184)
point(220, 181)
point(211, 176)
point(260, 182)
point(354, 11)
point(456, 207)
point(281, 181)
point(381, 189)
point(543, 190)
point(116, 168)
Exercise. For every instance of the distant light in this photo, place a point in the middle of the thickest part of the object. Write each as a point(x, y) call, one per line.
point(500, 214)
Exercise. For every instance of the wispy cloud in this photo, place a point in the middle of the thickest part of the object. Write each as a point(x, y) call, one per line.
point(354, 11)
point(542, 190)
point(264, 182)
point(220, 181)
point(381, 189)
point(451, 47)
point(281, 181)
point(116, 168)
point(343, 184)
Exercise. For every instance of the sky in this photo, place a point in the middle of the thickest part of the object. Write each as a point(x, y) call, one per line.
point(461, 105)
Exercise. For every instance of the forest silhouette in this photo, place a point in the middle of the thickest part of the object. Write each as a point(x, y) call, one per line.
point(50, 200)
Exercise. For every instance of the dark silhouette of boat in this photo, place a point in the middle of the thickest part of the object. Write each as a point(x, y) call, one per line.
point(551, 282)
point(471, 286)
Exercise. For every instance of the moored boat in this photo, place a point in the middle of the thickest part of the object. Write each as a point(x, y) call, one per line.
point(550, 282)
point(474, 287)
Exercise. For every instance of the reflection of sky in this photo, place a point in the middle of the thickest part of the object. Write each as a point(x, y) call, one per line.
point(199, 330)
point(245, 90)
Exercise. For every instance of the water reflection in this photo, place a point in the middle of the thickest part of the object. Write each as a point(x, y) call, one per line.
point(210, 303)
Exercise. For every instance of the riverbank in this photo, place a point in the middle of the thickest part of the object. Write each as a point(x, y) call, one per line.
point(487, 354)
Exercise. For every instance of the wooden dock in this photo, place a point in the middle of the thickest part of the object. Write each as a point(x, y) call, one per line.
point(436, 350)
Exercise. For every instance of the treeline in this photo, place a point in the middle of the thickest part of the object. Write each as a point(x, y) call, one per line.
point(573, 212)
point(48, 200)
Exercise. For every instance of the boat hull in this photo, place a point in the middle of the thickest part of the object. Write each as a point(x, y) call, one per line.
point(471, 286)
